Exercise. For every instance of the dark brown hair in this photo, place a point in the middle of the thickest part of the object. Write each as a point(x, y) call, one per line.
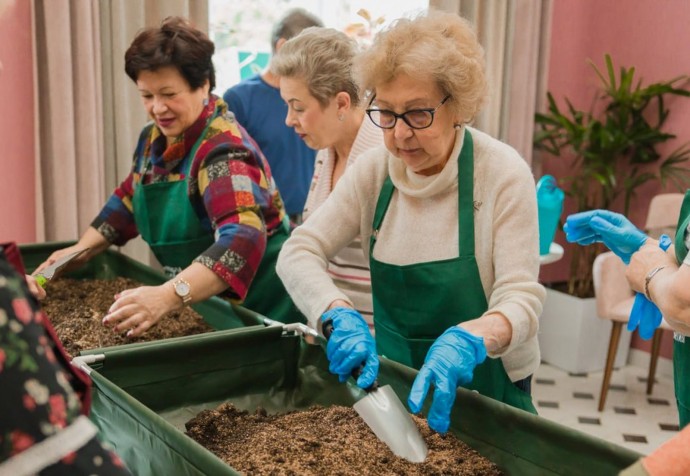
point(175, 43)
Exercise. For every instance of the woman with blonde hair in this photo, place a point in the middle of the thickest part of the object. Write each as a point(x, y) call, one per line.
point(324, 108)
point(448, 218)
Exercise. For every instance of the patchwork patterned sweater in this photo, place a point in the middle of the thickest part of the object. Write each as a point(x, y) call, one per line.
point(230, 188)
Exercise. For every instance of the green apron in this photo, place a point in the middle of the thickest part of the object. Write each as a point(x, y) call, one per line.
point(167, 221)
point(681, 344)
point(416, 303)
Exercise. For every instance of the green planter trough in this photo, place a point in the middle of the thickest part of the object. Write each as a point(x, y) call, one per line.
point(144, 395)
point(217, 313)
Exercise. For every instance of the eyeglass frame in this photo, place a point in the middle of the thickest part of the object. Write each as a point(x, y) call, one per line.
point(430, 110)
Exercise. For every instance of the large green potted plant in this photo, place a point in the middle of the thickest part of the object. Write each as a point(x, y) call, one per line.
point(614, 150)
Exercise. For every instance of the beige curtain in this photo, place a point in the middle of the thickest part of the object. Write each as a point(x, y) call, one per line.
point(124, 115)
point(515, 35)
point(88, 111)
point(69, 154)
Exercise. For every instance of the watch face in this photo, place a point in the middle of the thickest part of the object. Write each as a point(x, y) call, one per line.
point(182, 288)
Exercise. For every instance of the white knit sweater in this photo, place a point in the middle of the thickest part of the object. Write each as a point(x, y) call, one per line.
point(421, 225)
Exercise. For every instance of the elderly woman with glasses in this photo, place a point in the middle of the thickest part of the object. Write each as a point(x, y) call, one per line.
point(448, 219)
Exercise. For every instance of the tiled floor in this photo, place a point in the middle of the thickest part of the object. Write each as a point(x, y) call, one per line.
point(631, 418)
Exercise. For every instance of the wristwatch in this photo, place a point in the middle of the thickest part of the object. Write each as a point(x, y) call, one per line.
point(183, 289)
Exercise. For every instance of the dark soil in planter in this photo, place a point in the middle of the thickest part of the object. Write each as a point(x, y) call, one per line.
point(76, 308)
point(322, 441)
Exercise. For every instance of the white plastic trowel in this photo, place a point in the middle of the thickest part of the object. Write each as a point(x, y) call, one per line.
point(384, 413)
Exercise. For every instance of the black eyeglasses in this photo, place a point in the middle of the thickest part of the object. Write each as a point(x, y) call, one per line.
point(415, 118)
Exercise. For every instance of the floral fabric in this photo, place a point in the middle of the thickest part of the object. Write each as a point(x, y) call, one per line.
point(36, 397)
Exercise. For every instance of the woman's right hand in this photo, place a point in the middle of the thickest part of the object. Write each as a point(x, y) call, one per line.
point(56, 255)
point(613, 229)
point(350, 345)
point(91, 239)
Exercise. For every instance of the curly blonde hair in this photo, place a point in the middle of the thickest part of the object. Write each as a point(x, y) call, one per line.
point(439, 45)
point(322, 57)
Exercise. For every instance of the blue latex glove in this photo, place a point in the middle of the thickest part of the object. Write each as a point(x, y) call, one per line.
point(644, 312)
point(603, 226)
point(450, 362)
point(350, 345)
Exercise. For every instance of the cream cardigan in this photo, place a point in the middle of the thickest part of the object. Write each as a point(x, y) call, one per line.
point(421, 226)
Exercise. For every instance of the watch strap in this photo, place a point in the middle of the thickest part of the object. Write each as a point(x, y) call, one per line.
point(186, 298)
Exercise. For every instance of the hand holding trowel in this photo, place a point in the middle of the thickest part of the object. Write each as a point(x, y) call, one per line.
point(350, 343)
point(47, 273)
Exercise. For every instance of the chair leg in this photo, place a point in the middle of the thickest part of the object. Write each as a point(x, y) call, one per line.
point(656, 347)
point(610, 360)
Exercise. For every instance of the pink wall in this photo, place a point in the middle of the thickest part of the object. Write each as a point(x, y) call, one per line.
point(650, 35)
point(17, 202)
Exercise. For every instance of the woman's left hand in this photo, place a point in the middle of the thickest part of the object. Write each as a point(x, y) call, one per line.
point(450, 362)
point(647, 257)
point(141, 308)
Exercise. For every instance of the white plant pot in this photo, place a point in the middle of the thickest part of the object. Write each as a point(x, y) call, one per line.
point(572, 336)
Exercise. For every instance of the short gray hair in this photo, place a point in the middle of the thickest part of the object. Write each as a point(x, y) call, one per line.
point(323, 58)
point(291, 24)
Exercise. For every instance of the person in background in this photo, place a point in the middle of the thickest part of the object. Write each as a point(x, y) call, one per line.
point(448, 219)
point(663, 276)
point(200, 192)
point(325, 110)
point(44, 399)
point(257, 105)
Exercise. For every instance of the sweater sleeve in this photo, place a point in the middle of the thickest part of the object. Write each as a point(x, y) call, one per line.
point(333, 225)
point(516, 292)
point(234, 193)
point(116, 220)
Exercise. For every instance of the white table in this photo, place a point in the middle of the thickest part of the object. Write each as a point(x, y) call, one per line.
point(555, 253)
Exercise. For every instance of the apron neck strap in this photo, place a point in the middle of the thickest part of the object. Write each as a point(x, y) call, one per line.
point(466, 196)
point(683, 221)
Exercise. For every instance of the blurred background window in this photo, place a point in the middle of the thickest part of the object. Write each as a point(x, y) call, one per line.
point(241, 29)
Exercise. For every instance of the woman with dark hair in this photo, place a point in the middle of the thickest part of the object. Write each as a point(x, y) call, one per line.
point(200, 192)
